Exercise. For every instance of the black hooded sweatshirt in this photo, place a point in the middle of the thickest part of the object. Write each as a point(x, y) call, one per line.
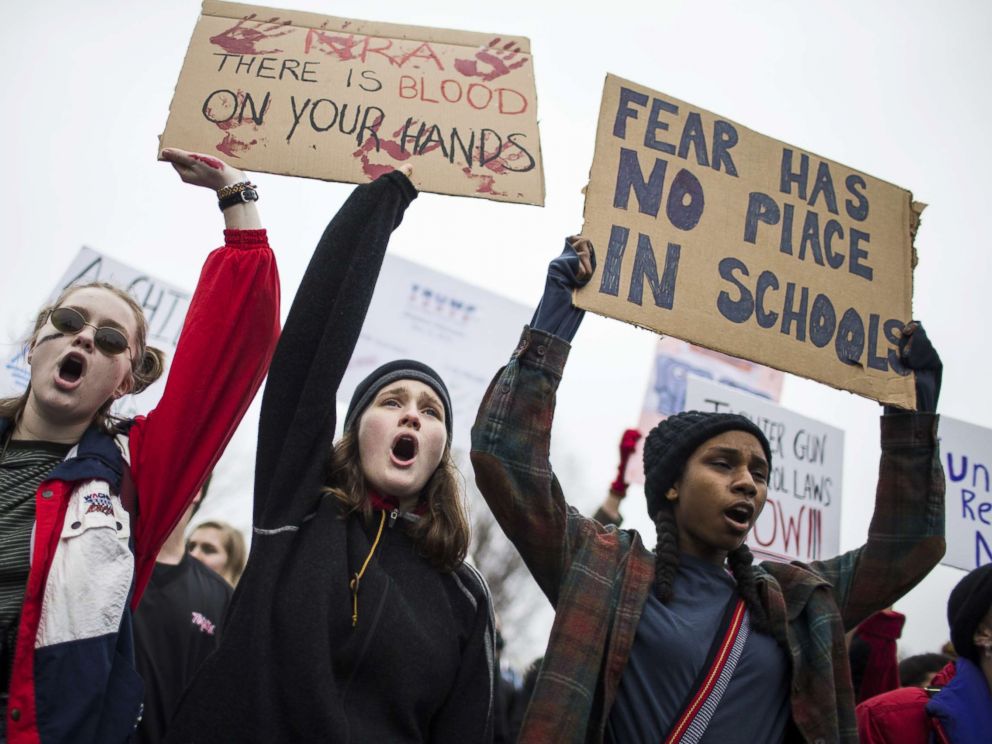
point(291, 667)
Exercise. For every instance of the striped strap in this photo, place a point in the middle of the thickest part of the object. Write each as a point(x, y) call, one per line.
point(698, 711)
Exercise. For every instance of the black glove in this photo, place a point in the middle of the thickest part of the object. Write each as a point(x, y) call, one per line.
point(917, 354)
point(555, 314)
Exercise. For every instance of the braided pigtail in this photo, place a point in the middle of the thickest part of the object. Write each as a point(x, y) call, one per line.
point(666, 553)
point(740, 564)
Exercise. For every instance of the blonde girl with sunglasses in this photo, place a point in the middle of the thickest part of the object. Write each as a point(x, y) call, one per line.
point(87, 499)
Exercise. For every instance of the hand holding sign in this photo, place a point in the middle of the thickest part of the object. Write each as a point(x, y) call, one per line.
point(201, 170)
point(918, 354)
point(570, 270)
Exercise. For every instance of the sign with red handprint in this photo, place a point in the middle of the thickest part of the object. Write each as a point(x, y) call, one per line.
point(346, 100)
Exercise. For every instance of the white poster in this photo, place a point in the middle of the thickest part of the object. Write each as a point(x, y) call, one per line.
point(966, 451)
point(165, 307)
point(463, 332)
point(674, 362)
point(801, 519)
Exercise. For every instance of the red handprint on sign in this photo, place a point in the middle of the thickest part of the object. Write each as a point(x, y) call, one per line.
point(232, 115)
point(244, 37)
point(491, 61)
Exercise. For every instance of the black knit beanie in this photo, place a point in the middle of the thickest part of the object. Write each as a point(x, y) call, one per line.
point(400, 369)
point(671, 443)
point(969, 602)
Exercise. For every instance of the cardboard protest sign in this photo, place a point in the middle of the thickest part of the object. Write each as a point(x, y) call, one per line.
point(461, 331)
point(713, 233)
point(967, 453)
point(801, 518)
point(346, 100)
point(674, 363)
point(165, 308)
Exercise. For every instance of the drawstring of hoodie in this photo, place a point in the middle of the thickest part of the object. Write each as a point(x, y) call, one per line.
point(357, 579)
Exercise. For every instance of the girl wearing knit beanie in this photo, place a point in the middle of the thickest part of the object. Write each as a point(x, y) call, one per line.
point(356, 619)
point(691, 641)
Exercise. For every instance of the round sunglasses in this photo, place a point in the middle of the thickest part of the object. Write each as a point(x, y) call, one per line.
point(109, 340)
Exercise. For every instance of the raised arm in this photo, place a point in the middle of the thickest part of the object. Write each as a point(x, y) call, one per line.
point(906, 535)
point(298, 407)
point(512, 432)
point(224, 350)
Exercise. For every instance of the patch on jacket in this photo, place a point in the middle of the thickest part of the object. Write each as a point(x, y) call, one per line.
point(203, 623)
point(99, 502)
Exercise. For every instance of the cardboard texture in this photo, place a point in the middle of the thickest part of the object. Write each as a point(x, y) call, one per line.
point(715, 234)
point(345, 100)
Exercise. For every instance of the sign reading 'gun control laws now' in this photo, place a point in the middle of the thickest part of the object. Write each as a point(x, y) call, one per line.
point(718, 235)
point(345, 100)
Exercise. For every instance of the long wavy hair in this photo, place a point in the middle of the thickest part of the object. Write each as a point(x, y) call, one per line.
point(442, 532)
point(147, 364)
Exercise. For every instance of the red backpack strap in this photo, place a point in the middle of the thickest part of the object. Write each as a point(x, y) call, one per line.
point(721, 661)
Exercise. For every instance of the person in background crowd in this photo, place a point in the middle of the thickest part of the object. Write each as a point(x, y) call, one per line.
point(645, 644)
point(220, 547)
point(357, 618)
point(87, 499)
point(872, 654)
point(609, 511)
point(176, 626)
point(957, 707)
point(919, 670)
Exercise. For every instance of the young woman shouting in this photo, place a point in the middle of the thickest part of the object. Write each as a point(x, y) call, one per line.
point(87, 500)
point(356, 619)
point(691, 642)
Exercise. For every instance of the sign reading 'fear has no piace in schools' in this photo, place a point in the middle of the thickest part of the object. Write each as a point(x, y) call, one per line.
point(715, 234)
point(346, 100)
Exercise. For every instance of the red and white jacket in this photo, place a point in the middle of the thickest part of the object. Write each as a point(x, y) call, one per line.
point(73, 677)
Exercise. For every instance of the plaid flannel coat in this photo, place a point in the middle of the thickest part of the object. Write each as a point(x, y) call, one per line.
point(598, 578)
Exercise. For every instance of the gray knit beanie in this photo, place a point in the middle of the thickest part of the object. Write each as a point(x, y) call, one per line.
point(400, 369)
point(671, 443)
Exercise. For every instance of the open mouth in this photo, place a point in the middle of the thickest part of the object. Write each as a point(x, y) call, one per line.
point(71, 368)
point(740, 515)
point(404, 449)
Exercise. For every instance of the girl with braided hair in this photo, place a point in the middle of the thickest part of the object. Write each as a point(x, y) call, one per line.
point(693, 642)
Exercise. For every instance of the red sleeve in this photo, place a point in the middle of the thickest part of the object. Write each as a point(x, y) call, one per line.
point(896, 717)
point(224, 350)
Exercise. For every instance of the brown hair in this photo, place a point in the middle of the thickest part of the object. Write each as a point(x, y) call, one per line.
point(234, 545)
point(147, 364)
point(441, 534)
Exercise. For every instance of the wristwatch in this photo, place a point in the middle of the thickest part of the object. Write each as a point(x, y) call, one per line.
point(245, 195)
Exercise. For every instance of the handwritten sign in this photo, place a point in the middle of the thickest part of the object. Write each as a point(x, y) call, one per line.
point(460, 330)
point(165, 309)
point(801, 518)
point(346, 100)
point(674, 363)
point(718, 235)
point(966, 450)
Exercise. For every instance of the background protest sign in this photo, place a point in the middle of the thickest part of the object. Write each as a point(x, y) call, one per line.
point(165, 308)
point(801, 519)
point(718, 235)
point(460, 330)
point(967, 453)
point(345, 100)
point(674, 363)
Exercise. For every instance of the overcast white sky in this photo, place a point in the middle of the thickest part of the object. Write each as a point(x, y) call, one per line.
point(896, 89)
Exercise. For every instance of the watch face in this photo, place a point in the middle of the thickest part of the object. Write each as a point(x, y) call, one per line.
point(248, 195)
